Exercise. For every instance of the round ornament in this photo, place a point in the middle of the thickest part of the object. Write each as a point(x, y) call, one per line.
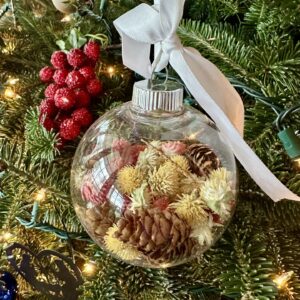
point(153, 181)
point(63, 6)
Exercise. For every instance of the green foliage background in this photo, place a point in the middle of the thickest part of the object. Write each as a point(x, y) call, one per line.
point(253, 41)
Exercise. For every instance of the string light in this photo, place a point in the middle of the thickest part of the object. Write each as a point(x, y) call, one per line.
point(40, 195)
point(111, 71)
point(6, 237)
point(12, 81)
point(296, 163)
point(10, 93)
point(66, 19)
point(89, 269)
point(282, 280)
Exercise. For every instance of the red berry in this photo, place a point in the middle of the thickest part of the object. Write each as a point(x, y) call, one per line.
point(75, 80)
point(60, 77)
point(76, 58)
point(87, 72)
point(94, 87)
point(60, 118)
point(48, 108)
point(69, 129)
point(59, 60)
point(47, 122)
point(83, 117)
point(46, 74)
point(92, 50)
point(64, 98)
point(83, 98)
point(51, 90)
point(91, 63)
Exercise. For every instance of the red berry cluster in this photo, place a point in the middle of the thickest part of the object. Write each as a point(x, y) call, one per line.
point(72, 83)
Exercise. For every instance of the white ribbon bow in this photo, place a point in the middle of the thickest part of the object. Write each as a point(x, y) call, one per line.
point(145, 25)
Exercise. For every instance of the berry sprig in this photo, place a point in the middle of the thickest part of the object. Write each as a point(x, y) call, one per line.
point(71, 87)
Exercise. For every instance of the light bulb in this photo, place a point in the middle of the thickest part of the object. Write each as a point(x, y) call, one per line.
point(40, 195)
point(282, 280)
point(5, 237)
point(66, 18)
point(12, 81)
point(89, 269)
point(111, 71)
point(296, 163)
point(9, 93)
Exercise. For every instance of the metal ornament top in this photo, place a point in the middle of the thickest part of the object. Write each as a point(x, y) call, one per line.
point(166, 98)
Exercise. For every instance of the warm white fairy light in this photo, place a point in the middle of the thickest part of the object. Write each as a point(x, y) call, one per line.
point(66, 19)
point(282, 280)
point(6, 237)
point(12, 81)
point(296, 163)
point(10, 93)
point(40, 195)
point(89, 269)
point(111, 71)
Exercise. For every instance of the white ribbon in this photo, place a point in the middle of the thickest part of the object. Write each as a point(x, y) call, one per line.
point(145, 25)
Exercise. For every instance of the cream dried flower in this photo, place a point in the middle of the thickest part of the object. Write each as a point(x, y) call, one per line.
point(156, 145)
point(140, 197)
point(181, 162)
point(191, 208)
point(220, 174)
point(203, 234)
point(164, 181)
point(191, 183)
point(217, 192)
point(149, 159)
point(119, 248)
point(129, 179)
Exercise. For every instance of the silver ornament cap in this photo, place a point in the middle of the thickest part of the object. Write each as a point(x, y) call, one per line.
point(160, 97)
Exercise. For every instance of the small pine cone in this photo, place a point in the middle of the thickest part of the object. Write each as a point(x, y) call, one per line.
point(99, 218)
point(160, 235)
point(202, 159)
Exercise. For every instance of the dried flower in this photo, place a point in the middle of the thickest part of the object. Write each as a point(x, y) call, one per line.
point(164, 181)
point(120, 145)
point(217, 192)
point(203, 234)
point(181, 162)
point(173, 148)
point(156, 145)
point(140, 197)
point(191, 208)
point(129, 179)
point(121, 249)
point(149, 159)
point(190, 183)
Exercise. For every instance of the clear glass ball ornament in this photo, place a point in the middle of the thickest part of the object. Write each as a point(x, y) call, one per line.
point(154, 182)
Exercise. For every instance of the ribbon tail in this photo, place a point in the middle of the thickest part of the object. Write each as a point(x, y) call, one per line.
point(185, 62)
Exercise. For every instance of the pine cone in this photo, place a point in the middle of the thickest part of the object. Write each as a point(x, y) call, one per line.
point(160, 235)
point(99, 218)
point(202, 159)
